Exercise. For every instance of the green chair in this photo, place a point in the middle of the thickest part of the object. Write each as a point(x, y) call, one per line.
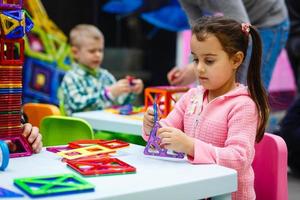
point(60, 130)
point(107, 135)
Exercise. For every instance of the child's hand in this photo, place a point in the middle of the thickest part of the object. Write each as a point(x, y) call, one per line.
point(33, 136)
point(137, 86)
point(120, 87)
point(176, 140)
point(148, 121)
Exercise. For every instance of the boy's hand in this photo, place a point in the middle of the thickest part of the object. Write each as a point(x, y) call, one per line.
point(120, 87)
point(148, 121)
point(137, 86)
point(176, 140)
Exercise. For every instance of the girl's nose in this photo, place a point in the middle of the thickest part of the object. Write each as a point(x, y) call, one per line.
point(200, 67)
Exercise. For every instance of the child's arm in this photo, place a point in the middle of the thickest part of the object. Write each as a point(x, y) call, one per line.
point(123, 92)
point(78, 96)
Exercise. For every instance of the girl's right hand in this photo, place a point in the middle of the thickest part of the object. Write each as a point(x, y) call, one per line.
point(148, 121)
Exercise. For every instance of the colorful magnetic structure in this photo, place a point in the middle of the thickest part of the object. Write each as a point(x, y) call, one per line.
point(47, 57)
point(53, 185)
point(14, 23)
point(166, 97)
point(92, 157)
point(153, 147)
point(100, 166)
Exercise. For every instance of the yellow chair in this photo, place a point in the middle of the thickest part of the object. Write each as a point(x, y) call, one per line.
point(60, 130)
point(35, 112)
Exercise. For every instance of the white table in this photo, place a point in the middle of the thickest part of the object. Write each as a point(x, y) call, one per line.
point(154, 179)
point(106, 121)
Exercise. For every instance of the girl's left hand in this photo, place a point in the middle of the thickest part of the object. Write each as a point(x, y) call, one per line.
point(176, 140)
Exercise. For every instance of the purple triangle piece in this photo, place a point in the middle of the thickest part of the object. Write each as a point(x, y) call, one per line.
point(154, 149)
point(7, 193)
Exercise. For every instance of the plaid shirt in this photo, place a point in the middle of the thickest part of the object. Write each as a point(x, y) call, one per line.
point(81, 90)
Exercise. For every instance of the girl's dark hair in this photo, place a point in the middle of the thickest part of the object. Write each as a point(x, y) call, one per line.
point(233, 39)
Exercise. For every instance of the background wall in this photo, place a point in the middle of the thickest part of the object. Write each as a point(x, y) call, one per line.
point(128, 37)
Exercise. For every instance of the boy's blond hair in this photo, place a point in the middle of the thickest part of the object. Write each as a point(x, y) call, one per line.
point(81, 31)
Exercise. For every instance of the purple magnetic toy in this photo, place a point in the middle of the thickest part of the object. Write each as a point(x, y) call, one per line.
point(153, 148)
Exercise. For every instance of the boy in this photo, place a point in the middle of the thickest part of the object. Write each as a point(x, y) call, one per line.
point(87, 86)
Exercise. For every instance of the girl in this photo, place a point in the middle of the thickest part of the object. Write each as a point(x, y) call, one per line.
point(219, 121)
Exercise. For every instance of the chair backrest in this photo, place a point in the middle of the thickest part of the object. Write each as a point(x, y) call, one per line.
point(60, 130)
point(270, 168)
point(35, 112)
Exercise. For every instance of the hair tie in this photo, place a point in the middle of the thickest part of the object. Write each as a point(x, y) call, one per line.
point(246, 28)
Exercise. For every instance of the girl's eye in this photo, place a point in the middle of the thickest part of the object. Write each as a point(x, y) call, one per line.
point(195, 60)
point(209, 62)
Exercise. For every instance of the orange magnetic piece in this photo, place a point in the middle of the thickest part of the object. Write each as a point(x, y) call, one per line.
point(164, 97)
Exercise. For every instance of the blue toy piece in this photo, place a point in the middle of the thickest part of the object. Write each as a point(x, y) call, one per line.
point(4, 155)
point(28, 22)
point(170, 17)
point(122, 6)
point(5, 193)
point(126, 109)
point(42, 80)
point(177, 21)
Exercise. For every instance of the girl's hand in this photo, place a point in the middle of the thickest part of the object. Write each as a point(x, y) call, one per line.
point(148, 121)
point(176, 140)
point(137, 86)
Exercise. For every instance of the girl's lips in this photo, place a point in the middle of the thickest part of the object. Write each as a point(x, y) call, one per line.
point(203, 78)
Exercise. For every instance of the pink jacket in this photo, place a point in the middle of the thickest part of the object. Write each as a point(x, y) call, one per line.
point(224, 131)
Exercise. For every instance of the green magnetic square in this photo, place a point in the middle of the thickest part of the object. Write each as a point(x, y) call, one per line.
point(53, 185)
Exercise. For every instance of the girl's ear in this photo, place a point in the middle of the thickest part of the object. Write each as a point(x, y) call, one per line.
point(237, 59)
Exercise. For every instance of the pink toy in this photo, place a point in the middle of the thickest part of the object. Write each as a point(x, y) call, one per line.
point(23, 147)
point(270, 168)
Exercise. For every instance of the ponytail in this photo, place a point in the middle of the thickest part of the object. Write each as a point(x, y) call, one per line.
point(255, 85)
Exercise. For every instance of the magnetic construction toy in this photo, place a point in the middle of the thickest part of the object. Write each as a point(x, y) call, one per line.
point(53, 185)
point(14, 23)
point(47, 56)
point(165, 96)
point(153, 148)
